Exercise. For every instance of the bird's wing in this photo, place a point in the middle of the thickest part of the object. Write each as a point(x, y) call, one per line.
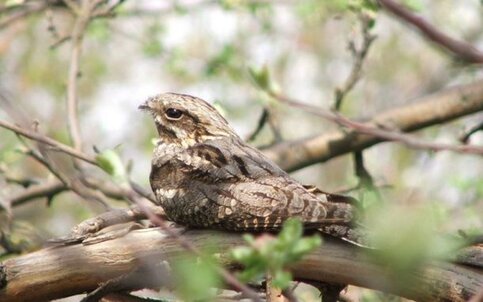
point(227, 160)
point(264, 204)
point(252, 193)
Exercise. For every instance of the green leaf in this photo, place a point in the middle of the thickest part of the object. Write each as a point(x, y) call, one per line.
point(9, 3)
point(151, 43)
point(261, 77)
point(99, 29)
point(272, 254)
point(306, 245)
point(195, 278)
point(241, 253)
point(111, 163)
point(281, 279)
point(368, 6)
point(292, 230)
point(405, 238)
point(414, 5)
point(222, 60)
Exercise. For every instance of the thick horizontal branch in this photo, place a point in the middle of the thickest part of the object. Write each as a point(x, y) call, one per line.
point(427, 111)
point(67, 270)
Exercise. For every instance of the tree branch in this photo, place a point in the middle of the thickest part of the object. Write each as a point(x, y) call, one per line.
point(61, 271)
point(47, 190)
point(22, 11)
point(48, 141)
point(83, 16)
point(427, 111)
point(460, 49)
point(359, 55)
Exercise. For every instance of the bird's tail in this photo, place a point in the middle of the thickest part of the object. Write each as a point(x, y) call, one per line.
point(343, 217)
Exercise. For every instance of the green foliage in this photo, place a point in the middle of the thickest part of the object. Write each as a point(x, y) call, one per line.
point(224, 59)
point(176, 63)
point(99, 30)
point(43, 70)
point(315, 11)
point(195, 277)
point(152, 45)
point(272, 255)
point(406, 237)
point(9, 3)
point(414, 5)
point(251, 6)
point(368, 8)
point(262, 78)
point(364, 5)
point(22, 236)
point(111, 163)
point(468, 184)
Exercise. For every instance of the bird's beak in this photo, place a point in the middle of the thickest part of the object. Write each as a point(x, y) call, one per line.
point(145, 106)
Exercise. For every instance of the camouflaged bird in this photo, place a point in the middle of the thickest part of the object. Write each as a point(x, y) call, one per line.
point(205, 176)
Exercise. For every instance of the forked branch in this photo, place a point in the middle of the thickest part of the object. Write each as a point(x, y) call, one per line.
point(430, 110)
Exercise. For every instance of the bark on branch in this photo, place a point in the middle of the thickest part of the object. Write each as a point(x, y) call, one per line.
point(67, 270)
point(427, 111)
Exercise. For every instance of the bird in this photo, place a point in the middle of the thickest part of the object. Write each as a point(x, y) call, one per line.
point(205, 176)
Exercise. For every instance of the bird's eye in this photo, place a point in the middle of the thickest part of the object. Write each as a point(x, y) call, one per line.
point(173, 114)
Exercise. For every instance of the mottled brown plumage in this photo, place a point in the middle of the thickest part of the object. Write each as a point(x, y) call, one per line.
point(205, 176)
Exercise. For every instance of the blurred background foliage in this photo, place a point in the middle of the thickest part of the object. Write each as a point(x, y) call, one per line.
point(206, 48)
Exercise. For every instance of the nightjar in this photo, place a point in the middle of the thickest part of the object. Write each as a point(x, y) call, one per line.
point(205, 176)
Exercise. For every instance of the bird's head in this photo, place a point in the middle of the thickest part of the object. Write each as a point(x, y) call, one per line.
point(185, 120)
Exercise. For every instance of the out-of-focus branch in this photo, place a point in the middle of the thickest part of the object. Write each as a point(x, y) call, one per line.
point(466, 136)
point(26, 278)
point(21, 11)
point(108, 189)
point(359, 55)
point(427, 111)
point(57, 146)
point(47, 190)
point(89, 227)
point(267, 117)
point(261, 122)
point(83, 16)
point(460, 49)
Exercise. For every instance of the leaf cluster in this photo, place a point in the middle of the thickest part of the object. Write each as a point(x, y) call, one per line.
point(272, 255)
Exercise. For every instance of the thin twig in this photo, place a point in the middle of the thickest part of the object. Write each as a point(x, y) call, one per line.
point(109, 11)
point(261, 122)
point(57, 146)
point(83, 16)
point(378, 131)
point(48, 190)
point(43, 159)
point(25, 11)
point(359, 56)
point(460, 49)
point(111, 191)
point(73, 6)
point(267, 117)
point(365, 178)
point(466, 136)
point(21, 181)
